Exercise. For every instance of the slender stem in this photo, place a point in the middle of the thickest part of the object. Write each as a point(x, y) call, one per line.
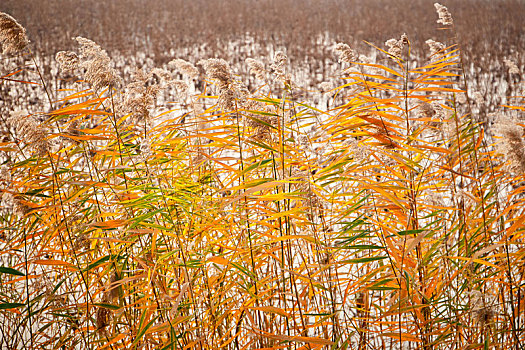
point(27, 290)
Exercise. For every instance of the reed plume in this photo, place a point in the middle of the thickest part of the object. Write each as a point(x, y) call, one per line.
point(512, 143)
point(345, 53)
point(445, 17)
point(13, 38)
point(94, 61)
point(185, 68)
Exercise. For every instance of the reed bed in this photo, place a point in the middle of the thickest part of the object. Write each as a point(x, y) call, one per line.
point(246, 216)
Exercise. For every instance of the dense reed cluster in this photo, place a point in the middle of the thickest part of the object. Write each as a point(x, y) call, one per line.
point(188, 206)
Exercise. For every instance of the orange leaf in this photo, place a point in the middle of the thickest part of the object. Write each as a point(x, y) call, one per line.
point(109, 224)
point(53, 262)
point(402, 336)
point(219, 260)
point(272, 310)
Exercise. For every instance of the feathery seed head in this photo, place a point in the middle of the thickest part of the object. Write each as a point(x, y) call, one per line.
point(461, 98)
point(365, 59)
point(7, 201)
point(435, 46)
point(97, 64)
point(103, 317)
point(395, 47)
point(440, 115)
point(278, 67)
point(140, 96)
point(21, 207)
point(256, 68)
point(185, 67)
point(263, 125)
point(360, 152)
point(5, 175)
point(512, 143)
point(162, 74)
point(181, 87)
point(145, 148)
point(82, 242)
point(427, 110)
point(229, 90)
point(227, 99)
point(345, 53)
point(308, 195)
point(67, 60)
point(435, 199)
point(280, 58)
point(482, 306)
point(513, 68)
point(218, 69)
point(13, 37)
point(30, 131)
point(167, 79)
point(404, 39)
point(445, 17)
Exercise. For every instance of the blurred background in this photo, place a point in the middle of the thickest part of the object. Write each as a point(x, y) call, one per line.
point(484, 27)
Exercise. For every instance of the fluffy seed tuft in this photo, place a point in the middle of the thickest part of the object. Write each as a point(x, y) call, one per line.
point(219, 70)
point(256, 68)
point(513, 68)
point(13, 37)
point(445, 17)
point(97, 65)
point(345, 53)
point(435, 46)
point(185, 67)
point(395, 47)
point(30, 132)
point(67, 60)
point(512, 144)
point(278, 67)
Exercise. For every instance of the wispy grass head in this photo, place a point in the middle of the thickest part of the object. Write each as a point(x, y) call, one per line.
point(30, 132)
point(395, 47)
point(218, 69)
point(512, 67)
point(445, 17)
point(13, 37)
point(512, 144)
point(278, 67)
point(140, 97)
point(345, 53)
point(67, 60)
point(435, 46)
point(256, 68)
point(185, 67)
point(97, 65)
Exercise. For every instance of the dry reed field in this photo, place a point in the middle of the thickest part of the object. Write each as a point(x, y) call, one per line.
point(237, 188)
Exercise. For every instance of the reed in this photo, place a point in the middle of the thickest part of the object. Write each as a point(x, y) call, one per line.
point(244, 217)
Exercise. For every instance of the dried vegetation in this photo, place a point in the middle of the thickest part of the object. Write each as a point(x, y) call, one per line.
point(187, 206)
